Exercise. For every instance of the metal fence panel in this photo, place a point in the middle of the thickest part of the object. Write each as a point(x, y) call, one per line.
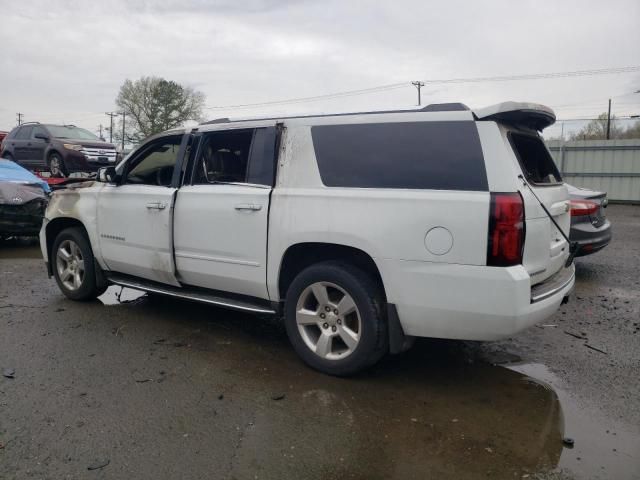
point(612, 166)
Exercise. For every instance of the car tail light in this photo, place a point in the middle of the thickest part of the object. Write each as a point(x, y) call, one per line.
point(583, 207)
point(506, 230)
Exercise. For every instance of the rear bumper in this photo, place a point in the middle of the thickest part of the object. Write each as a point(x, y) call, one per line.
point(469, 302)
point(590, 238)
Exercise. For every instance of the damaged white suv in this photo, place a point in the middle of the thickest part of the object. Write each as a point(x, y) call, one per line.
point(362, 230)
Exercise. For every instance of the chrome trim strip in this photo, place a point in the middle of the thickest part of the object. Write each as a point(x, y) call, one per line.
point(549, 293)
point(208, 258)
point(191, 296)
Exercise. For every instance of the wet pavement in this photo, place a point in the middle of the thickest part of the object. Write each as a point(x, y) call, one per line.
point(139, 386)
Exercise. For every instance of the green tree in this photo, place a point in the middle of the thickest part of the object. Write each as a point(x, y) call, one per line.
point(153, 105)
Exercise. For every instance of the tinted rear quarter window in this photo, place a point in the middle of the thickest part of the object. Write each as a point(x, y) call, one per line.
point(535, 160)
point(411, 155)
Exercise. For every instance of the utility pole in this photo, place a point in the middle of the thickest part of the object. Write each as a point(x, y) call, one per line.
point(418, 84)
point(100, 127)
point(609, 121)
point(19, 115)
point(111, 115)
point(123, 117)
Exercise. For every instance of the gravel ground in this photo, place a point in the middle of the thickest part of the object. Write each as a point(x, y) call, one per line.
point(147, 387)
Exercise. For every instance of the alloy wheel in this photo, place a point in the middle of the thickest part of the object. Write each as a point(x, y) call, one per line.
point(328, 320)
point(70, 265)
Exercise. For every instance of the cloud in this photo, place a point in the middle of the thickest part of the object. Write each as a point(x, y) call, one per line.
point(65, 60)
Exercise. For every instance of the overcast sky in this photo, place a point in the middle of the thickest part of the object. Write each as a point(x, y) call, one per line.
point(64, 61)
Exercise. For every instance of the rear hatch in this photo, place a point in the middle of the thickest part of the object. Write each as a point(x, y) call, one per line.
point(545, 249)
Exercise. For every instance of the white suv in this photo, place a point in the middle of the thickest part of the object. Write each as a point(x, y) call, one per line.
point(363, 230)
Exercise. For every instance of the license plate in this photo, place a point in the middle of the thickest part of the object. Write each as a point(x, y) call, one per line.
point(103, 159)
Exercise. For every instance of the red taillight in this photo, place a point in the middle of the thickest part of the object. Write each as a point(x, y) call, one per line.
point(506, 230)
point(583, 207)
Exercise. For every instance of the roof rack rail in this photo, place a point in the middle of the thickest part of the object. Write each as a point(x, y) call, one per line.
point(69, 125)
point(434, 107)
point(29, 123)
point(445, 107)
point(217, 120)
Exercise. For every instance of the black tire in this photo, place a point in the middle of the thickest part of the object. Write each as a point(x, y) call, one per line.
point(56, 159)
point(89, 288)
point(369, 300)
point(8, 156)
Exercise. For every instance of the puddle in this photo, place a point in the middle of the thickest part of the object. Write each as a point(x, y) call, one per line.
point(603, 448)
point(115, 295)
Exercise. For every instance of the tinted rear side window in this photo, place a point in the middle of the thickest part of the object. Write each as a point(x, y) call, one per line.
point(420, 155)
point(536, 162)
point(24, 133)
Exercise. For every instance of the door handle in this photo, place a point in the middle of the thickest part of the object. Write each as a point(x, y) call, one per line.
point(156, 206)
point(248, 206)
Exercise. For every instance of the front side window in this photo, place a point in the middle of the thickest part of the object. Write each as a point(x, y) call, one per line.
point(155, 164)
point(37, 130)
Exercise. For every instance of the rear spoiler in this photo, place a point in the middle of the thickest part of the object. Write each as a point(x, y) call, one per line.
point(529, 115)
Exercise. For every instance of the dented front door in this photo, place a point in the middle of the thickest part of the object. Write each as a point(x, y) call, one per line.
point(134, 228)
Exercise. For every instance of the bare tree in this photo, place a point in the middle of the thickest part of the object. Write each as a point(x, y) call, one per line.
point(597, 129)
point(153, 104)
point(632, 131)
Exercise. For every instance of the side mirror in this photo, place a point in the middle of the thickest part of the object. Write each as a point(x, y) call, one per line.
point(106, 174)
point(42, 136)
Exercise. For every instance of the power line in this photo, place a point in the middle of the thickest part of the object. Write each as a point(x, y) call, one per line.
point(316, 97)
point(504, 78)
point(539, 76)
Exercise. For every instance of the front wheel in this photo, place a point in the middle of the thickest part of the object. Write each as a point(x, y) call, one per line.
point(73, 265)
point(335, 319)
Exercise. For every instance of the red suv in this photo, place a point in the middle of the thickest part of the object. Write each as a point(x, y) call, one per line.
point(61, 149)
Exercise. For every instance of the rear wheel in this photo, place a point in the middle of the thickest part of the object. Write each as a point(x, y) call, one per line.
point(73, 265)
point(57, 166)
point(335, 318)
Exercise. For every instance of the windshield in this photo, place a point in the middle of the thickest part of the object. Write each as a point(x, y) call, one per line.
point(76, 133)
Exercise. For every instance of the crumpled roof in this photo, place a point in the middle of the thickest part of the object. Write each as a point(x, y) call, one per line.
point(12, 172)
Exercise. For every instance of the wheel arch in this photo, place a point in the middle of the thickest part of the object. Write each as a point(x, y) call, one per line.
point(53, 228)
point(299, 256)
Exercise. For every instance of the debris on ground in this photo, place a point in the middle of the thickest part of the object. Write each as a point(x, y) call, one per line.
point(568, 442)
point(595, 348)
point(97, 465)
point(278, 396)
point(221, 396)
point(575, 335)
point(9, 373)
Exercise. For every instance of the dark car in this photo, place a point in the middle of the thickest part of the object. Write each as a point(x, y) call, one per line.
point(23, 199)
point(589, 225)
point(61, 149)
